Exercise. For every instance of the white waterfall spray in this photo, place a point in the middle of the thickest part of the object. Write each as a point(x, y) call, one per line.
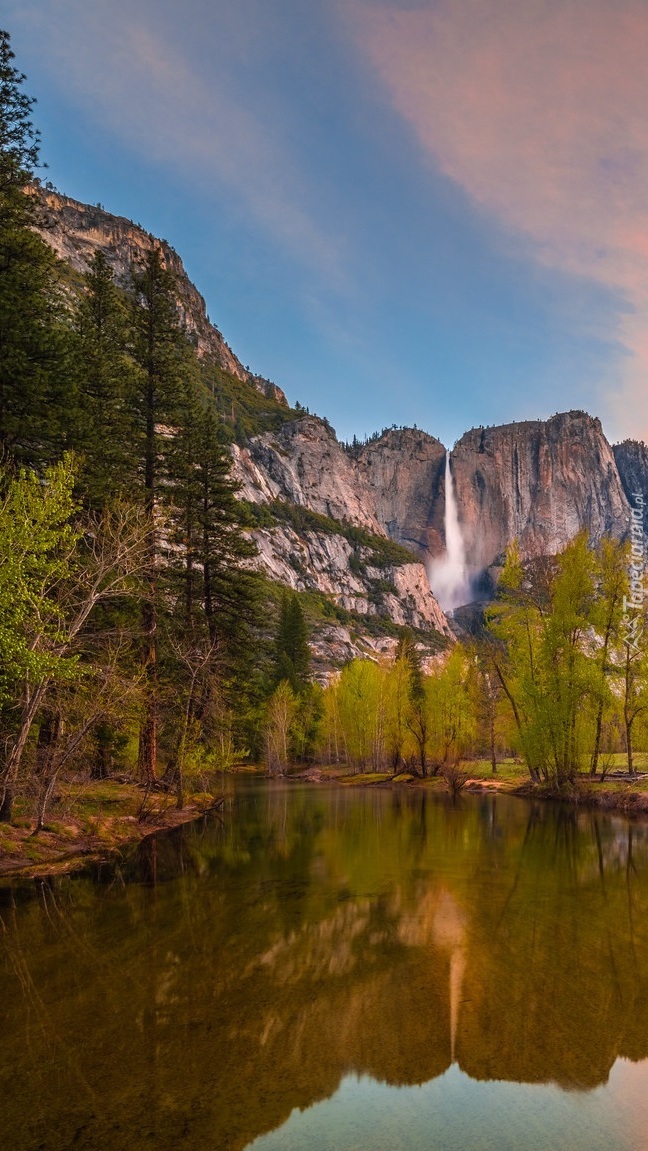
point(449, 579)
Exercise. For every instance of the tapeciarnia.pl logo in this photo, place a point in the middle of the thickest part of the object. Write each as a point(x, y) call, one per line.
point(632, 622)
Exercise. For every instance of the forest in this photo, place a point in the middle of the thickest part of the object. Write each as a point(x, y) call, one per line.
point(137, 640)
point(557, 676)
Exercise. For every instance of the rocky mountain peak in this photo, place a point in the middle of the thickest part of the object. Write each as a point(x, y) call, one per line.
point(632, 461)
point(403, 472)
point(303, 462)
point(538, 482)
point(77, 231)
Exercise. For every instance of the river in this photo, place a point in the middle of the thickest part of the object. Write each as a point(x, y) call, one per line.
point(336, 969)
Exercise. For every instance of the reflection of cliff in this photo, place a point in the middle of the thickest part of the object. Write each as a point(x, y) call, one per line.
point(318, 934)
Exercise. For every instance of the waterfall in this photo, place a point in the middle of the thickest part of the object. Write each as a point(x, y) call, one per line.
point(448, 577)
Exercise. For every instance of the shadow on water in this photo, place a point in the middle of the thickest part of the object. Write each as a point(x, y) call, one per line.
point(226, 973)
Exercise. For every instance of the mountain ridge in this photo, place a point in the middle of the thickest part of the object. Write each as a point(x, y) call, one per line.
point(536, 481)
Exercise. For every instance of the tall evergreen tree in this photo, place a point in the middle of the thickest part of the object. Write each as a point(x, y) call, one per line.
point(292, 654)
point(107, 385)
point(160, 352)
point(36, 399)
point(218, 593)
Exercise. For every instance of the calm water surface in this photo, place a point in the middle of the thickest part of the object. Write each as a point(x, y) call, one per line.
point(336, 970)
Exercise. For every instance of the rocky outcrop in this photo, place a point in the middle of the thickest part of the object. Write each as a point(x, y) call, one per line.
point(632, 462)
point(303, 463)
point(402, 473)
point(77, 231)
point(322, 562)
point(536, 482)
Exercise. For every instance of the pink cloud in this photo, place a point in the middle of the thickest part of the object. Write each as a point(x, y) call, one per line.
point(539, 111)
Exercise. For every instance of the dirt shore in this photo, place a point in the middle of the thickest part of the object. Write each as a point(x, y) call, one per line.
point(69, 843)
point(622, 793)
point(106, 819)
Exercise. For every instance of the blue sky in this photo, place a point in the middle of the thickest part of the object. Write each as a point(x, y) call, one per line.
point(402, 211)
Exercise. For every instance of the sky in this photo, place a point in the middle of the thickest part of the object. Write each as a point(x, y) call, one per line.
point(410, 212)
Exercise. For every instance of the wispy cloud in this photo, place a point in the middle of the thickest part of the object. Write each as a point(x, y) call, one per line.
point(129, 62)
point(538, 110)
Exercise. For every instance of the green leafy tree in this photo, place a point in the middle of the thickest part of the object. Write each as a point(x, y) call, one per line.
point(450, 709)
point(362, 713)
point(417, 716)
point(634, 668)
point(487, 698)
point(612, 579)
point(397, 712)
point(543, 618)
point(280, 717)
point(55, 570)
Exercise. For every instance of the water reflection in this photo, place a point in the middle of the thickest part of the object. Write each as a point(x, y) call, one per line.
point(226, 975)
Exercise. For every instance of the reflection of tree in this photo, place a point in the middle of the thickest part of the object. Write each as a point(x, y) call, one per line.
point(316, 933)
point(558, 981)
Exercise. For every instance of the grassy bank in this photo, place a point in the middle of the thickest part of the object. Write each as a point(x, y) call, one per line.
point(613, 792)
point(91, 821)
point(95, 820)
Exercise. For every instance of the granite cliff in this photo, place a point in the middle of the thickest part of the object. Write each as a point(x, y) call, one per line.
point(403, 475)
point(631, 458)
point(334, 541)
point(537, 482)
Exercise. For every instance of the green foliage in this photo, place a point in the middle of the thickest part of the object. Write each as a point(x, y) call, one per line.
point(56, 569)
point(451, 712)
point(360, 707)
point(280, 717)
point(245, 411)
point(556, 624)
point(108, 384)
point(37, 398)
point(292, 653)
point(37, 556)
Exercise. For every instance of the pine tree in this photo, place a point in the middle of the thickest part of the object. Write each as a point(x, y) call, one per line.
point(108, 380)
point(160, 352)
point(36, 397)
point(217, 604)
point(292, 653)
point(230, 589)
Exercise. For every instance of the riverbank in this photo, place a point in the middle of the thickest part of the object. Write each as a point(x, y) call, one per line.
point(616, 792)
point(95, 821)
point(91, 823)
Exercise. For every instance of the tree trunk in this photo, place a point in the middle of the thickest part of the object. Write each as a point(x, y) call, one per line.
point(147, 752)
point(48, 737)
point(597, 740)
point(14, 758)
point(6, 806)
point(102, 764)
point(628, 735)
